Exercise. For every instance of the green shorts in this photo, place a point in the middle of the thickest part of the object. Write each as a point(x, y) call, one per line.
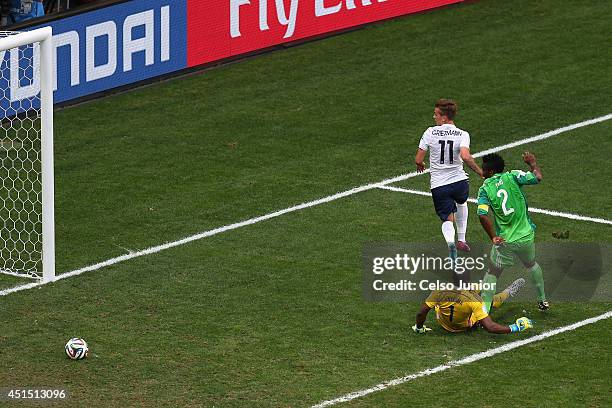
point(503, 256)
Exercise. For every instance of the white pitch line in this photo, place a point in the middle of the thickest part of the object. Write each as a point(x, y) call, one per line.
point(466, 360)
point(545, 135)
point(191, 238)
point(308, 204)
point(531, 209)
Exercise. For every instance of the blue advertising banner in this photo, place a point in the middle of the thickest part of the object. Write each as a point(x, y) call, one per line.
point(102, 49)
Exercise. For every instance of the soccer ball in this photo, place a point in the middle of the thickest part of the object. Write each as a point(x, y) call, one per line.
point(76, 349)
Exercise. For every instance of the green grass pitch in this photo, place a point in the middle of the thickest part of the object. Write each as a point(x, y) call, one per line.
point(271, 314)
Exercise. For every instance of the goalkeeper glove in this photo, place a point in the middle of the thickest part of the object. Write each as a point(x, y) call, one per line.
point(423, 329)
point(522, 323)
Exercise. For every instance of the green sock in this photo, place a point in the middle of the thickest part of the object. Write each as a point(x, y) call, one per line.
point(538, 280)
point(487, 295)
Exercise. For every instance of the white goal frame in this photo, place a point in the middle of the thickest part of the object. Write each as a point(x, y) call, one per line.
point(43, 36)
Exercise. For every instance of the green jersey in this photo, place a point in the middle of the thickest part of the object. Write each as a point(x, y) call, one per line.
point(504, 195)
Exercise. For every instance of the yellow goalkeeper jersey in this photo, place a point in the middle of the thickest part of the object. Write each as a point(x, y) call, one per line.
point(457, 311)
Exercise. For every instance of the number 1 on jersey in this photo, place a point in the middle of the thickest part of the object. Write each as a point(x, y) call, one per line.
point(450, 150)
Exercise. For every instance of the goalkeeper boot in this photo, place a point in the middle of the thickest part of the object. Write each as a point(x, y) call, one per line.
point(514, 287)
point(543, 305)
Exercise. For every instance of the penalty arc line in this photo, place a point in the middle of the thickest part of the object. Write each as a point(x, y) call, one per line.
point(552, 213)
point(302, 206)
point(466, 360)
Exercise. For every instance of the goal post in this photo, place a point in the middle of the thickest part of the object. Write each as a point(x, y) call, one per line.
point(27, 225)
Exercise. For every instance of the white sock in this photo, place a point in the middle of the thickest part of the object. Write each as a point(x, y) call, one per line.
point(448, 230)
point(462, 217)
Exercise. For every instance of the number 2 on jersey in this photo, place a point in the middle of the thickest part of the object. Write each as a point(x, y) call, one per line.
point(450, 150)
point(502, 192)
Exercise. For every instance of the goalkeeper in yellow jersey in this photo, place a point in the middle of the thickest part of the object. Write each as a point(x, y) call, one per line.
point(461, 310)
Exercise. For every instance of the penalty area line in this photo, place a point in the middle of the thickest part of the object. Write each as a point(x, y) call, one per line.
point(466, 360)
point(552, 213)
point(308, 204)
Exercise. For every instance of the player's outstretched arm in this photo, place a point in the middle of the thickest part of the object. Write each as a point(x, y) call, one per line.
point(419, 327)
point(491, 326)
point(530, 160)
point(419, 160)
point(468, 159)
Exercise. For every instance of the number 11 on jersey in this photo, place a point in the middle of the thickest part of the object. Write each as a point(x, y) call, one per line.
point(450, 150)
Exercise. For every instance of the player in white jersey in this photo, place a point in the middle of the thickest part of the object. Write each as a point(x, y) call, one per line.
point(449, 148)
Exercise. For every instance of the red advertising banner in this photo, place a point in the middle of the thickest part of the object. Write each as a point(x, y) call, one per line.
point(218, 29)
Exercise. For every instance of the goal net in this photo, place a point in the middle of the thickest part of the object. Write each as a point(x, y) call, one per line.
point(26, 155)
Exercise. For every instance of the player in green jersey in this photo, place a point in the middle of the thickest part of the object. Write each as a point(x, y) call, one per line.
point(514, 233)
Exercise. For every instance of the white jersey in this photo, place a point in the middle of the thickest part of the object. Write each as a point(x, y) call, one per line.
point(444, 144)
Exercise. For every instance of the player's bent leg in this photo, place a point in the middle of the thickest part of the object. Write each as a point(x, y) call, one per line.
point(488, 291)
point(445, 208)
point(499, 260)
point(462, 219)
point(448, 230)
point(461, 192)
point(537, 277)
point(526, 253)
point(499, 300)
point(510, 291)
